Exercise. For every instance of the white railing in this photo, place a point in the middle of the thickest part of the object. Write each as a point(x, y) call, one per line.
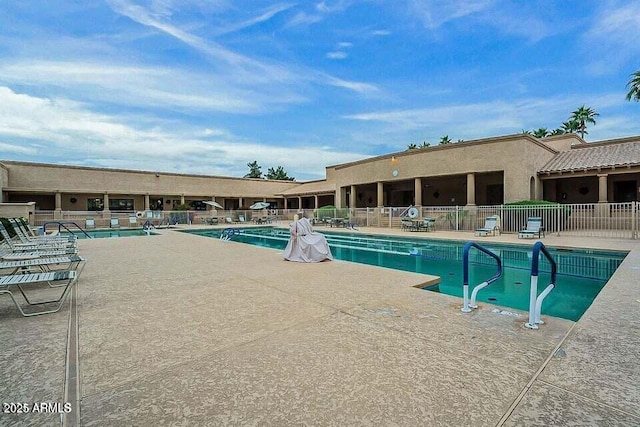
point(612, 220)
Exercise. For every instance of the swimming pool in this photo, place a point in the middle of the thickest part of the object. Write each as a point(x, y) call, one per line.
point(581, 273)
point(106, 233)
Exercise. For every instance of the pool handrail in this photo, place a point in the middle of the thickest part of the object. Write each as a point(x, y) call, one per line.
point(228, 233)
point(467, 306)
point(61, 225)
point(535, 300)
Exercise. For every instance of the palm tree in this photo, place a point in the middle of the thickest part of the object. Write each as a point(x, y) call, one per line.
point(570, 126)
point(445, 140)
point(634, 87)
point(558, 131)
point(541, 133)
point(584, 115)
point(412, 146)
point(526, 132)
point(425, 144)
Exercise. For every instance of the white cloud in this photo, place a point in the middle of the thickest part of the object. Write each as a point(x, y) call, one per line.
point(610, 43)
point(42, 126)
point(381, 33)
point(161, 87)
point(243, 68)
point(434, 13)
point(336, 55)
point(485, 119)
point(17, 149)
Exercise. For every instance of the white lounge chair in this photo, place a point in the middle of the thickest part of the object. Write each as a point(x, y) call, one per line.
point(14, 246)
point(533, 227)
point(491, 225)
point(64, 279)
point(89, 223)
point(114, 223)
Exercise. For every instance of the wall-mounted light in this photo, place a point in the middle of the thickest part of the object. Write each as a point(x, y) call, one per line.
point(394, 160)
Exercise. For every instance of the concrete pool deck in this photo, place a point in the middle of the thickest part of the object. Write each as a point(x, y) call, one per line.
point(183, 329)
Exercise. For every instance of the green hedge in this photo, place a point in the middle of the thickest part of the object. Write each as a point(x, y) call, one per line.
point(330, 211)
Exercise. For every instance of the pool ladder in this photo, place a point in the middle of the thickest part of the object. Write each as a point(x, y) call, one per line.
point(535, 300)
point(228, 233)
point(468, 305)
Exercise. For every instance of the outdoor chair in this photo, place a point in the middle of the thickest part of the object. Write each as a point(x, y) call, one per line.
point(408, 225)
point(65, 279)
point(89, 223)
point(41, 265)
point(533, 227)
point(31, 247)
point(114, 223)
point(491, 225)
point(133, 221)
point(428, 224)
point(24, 235)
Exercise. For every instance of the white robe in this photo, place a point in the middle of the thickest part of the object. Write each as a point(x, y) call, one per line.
point(306, 245)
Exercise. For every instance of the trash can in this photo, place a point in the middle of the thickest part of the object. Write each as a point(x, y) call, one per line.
point(40, 231)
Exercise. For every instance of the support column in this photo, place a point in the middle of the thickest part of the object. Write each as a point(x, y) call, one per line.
point(299, 202)
point(240, 202)
point(602, 188)
point(380, 194)
point(353, 197)
point(417, 192)
point(57, 214)
point(147, 203)
point(315, 201)
point(105, 202)
point(471, 189)
point(182, 199)
point(285, 204)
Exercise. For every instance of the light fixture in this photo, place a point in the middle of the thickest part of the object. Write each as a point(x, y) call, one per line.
point(394, 159)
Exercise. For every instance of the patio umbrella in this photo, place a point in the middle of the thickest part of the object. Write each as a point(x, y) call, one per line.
point(214, 204)
point(259, 205)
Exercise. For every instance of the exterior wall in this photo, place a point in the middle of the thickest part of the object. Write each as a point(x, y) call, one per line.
point(4, 181)
point(82, 183)
point(563, 142)
point(519, 157)
point(17, 210)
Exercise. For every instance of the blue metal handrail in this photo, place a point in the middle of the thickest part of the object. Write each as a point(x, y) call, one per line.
point(61, 225)
point(535, 300)
point(228, 233)
point(465, 275)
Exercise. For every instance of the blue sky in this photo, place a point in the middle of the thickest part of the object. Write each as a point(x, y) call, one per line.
point(208, 86)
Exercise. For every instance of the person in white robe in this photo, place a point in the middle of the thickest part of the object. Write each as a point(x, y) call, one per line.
point(306, 245)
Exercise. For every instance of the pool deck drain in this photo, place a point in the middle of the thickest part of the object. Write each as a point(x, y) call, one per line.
point(187, 329)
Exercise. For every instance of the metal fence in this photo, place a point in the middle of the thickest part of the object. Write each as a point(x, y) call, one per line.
point(613, 220)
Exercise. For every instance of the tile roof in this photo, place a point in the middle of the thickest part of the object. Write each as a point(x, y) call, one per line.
point(594, 157)
point(311, 187)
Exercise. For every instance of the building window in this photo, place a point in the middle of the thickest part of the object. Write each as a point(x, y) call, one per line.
point(121, 204)
point(95, 204)
point(197, 205)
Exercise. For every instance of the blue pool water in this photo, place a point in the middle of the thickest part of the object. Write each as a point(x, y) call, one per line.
point(581, 273)
point(106, 233)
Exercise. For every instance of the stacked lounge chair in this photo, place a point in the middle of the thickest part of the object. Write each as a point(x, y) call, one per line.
point(32, 265)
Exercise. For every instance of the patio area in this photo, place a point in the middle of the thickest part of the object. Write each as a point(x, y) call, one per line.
point(180, 329)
